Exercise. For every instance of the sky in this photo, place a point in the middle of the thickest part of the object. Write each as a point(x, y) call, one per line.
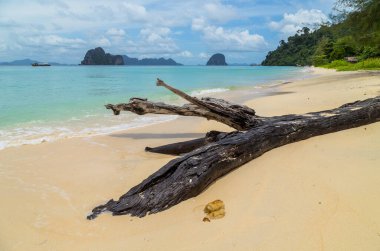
point(189, 31)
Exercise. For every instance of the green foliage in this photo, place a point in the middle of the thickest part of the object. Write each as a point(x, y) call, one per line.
point(368, 52)
point(336, 64)
point(356, 33)
point(299, 50)
point(343, 47)
point(342, 65)
point(319, 60)
point(322, 52)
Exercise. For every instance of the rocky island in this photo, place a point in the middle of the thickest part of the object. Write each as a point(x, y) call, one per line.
point(217, 59)
point(98, 56)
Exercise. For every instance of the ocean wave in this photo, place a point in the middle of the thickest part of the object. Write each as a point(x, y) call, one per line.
point(307, 69)
point(208, 91)
point(31, 134)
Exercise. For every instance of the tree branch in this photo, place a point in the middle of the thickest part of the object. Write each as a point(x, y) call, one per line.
point(239, 117)
point(188, 175)
point(187, 146)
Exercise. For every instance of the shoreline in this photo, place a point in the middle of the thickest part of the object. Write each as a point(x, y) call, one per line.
point(316, 194)
point(58, 130)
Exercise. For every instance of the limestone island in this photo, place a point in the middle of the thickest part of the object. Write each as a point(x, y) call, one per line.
point(98, 56)
point(217, 59)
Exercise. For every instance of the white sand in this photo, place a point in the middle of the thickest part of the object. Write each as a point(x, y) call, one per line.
point(319, 194)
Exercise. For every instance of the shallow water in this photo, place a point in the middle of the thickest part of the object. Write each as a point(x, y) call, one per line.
point(45, 103)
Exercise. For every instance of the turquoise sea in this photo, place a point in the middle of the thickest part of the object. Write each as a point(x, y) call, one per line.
point(46, 103)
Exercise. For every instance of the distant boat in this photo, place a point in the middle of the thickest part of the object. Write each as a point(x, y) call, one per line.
point(40, 64)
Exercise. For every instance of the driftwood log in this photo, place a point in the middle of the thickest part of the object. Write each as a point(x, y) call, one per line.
point(207, 159)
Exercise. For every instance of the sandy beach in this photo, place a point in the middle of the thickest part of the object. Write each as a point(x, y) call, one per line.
point(319, 194)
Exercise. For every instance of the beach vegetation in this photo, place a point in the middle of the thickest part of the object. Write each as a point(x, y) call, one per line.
point(354, 32)
point(343, 65)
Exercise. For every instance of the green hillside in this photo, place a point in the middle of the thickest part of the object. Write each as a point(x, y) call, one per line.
point(355, 31)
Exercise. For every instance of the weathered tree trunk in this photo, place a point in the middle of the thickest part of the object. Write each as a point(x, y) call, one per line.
point(237, 116)
point(206, 161)
point(187, 146)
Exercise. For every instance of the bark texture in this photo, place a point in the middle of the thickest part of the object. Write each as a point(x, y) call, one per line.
point(237, 116)
point(187, 146)
point(207, 160)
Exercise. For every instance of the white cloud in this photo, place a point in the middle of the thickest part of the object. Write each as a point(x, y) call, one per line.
point(3, 47)
point(135, 12)
point(115, 32)
point(291, 23)
point(220, 12)
point(102, 42)
point(54, 40)
point(228, 39)
point(71, 27)
point(152, 41)
point(156, 35)
point(203, 55)
point(185, 54)
point(198, 24)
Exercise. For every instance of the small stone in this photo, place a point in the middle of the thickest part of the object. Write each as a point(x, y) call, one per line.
point(215, 209)
point(214, 206)
point(205, 219)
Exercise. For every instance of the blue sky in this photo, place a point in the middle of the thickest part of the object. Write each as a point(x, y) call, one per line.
point(187, 31)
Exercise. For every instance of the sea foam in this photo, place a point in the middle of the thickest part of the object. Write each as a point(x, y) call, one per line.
point(41, 105)
point(208, 91)
point(32, 135)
